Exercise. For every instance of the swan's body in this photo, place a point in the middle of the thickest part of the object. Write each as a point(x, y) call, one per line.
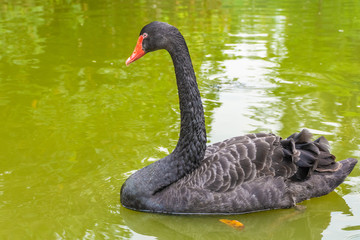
point(243, 174)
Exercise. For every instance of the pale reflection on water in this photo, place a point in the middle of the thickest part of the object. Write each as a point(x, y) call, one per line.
point(247, 74)
point(345, 225)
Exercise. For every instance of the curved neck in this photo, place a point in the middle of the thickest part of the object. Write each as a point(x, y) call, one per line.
point(190, 149)
point(191, 146)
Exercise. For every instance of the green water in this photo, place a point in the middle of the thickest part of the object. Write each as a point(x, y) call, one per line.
point(75, 122)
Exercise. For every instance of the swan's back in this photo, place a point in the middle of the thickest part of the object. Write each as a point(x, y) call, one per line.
point(255, 172)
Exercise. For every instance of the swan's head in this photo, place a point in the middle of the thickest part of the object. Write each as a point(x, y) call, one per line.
point(154, 36)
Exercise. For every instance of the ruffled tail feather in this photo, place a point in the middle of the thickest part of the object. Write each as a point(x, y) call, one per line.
point(309, 155)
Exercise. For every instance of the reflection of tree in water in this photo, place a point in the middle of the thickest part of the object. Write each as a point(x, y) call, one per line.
point(76, 46)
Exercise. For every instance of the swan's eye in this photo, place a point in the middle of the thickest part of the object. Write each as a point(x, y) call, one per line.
point(145, 35)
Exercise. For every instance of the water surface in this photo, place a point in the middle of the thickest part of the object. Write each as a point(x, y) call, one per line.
point(75, 122)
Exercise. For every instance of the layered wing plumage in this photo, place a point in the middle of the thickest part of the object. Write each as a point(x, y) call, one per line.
point(237, 160)
point(230, 163)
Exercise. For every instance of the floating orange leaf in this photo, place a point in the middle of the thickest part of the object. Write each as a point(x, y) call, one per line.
point(233, 223)
point(34, 103)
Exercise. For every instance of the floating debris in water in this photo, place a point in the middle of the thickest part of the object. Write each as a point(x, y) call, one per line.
point(233, 223)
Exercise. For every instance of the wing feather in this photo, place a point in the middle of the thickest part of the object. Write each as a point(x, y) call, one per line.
point(235, 161)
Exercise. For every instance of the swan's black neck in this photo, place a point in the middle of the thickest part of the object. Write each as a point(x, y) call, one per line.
point(191, 146)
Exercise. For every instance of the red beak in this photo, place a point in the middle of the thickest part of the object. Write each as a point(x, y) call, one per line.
point(138, 52)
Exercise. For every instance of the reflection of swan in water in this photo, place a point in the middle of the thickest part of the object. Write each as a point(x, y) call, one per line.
point(279, 224)
point(243, 174)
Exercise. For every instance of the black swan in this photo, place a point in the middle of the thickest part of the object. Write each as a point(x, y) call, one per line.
point(243, 174)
